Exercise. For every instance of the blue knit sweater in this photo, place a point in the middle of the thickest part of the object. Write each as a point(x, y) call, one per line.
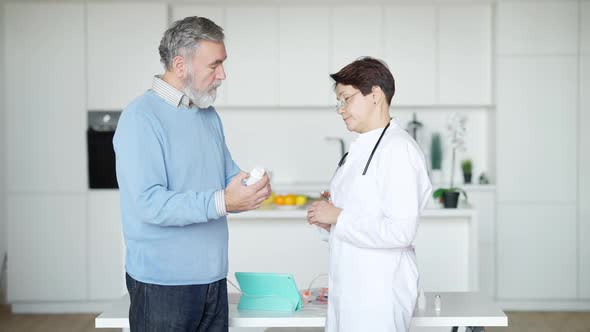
point(170, 163)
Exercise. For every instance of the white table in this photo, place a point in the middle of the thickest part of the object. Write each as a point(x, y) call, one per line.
point(459, 309)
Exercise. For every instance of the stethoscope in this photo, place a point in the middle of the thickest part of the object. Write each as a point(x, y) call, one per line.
point(343, 159)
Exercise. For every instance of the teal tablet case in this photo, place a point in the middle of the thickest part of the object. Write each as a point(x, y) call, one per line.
point(268, 292)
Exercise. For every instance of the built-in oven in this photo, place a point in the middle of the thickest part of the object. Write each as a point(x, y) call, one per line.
point(101, 155)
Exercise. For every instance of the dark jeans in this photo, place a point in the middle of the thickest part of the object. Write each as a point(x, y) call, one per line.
point(192, 308)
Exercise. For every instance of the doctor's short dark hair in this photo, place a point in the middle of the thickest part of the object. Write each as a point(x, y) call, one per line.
point(365, 73)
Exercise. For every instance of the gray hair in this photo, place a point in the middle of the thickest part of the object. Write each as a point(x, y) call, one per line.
point(184, 36)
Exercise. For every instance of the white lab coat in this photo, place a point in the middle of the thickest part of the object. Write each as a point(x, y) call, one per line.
point(373, 278)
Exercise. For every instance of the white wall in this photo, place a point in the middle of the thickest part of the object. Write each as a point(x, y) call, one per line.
point(291, 143)
point(2, 149)
point(477, 138)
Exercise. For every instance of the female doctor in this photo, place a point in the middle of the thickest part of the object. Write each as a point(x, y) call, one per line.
point(377, 194)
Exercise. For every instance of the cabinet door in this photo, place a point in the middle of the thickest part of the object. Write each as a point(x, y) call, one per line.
point(47, 247)
point(537, 118)
point(215, 14)
point(356, 31)
point(252, 66)
point(484, 201)
point(304, 57)
point(487, 270)
point(410, 51)
point(585, 27)
point(106, 250)
point(537, 251)
point(464, 58)
point(584, 176)
point(539, 27)
point(443, 240)
point(45, 103)
point(122, 51)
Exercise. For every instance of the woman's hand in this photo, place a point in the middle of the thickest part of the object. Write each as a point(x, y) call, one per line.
point(326, 227)
point(323, 214)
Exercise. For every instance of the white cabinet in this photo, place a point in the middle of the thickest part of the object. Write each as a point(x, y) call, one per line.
point(106, 249)
point(483, 200)
point(585, 27)
point(410, 51)
point(487, 270)
point(584, 176)
point(122, 51)
point(536, 120)
point(215, 14)
point(537, 251)
point(45, 97)
point(538, 27)
point(304, 56)
point(445, 239)
point(283, 236)
point(47, 247)
point(438, 54)
point(442, 238)
point(464, 54)
point(356, 31)
point(252, 66)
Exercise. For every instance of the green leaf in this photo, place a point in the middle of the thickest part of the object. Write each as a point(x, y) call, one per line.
point(439, 192)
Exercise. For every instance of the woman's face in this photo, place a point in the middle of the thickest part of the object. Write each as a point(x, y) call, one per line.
point(355, 111)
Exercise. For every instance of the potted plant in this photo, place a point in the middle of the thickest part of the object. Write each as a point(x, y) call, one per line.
point(467, 167)
point(456, 129)
point(449, 196)
point(436, 158)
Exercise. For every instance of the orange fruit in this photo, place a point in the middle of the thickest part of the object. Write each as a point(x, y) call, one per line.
point(279, 200)
point(290, 200)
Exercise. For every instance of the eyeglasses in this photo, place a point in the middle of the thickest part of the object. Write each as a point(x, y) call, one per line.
point(342, 102)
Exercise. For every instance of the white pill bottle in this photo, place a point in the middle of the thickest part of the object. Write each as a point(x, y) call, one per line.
point(255, 175)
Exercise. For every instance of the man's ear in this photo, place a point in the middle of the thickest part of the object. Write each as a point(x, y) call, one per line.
point(377, 93)
point(179, 67)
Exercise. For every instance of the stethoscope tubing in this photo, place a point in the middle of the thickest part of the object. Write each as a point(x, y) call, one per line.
point(343, 159)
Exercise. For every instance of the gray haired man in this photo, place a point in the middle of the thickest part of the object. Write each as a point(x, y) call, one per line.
point(178, 182)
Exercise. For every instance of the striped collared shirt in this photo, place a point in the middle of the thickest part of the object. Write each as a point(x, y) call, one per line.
point(170, 94)
point(178, 99)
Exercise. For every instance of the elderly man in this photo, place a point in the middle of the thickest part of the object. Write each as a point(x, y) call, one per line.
point(178, 182)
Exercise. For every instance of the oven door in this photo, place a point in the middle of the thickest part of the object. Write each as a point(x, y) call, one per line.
point(101, 160)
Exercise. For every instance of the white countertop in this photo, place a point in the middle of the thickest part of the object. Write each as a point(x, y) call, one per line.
point(458, 309)
point(314, 188)
point(301, 212)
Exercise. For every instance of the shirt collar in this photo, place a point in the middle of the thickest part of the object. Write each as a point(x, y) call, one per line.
point(372, 136)
point(170, 94)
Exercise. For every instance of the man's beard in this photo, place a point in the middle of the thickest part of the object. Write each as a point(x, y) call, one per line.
point(202, 99)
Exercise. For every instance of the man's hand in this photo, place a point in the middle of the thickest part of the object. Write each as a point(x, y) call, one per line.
point(239, 197)
point(323, 214)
